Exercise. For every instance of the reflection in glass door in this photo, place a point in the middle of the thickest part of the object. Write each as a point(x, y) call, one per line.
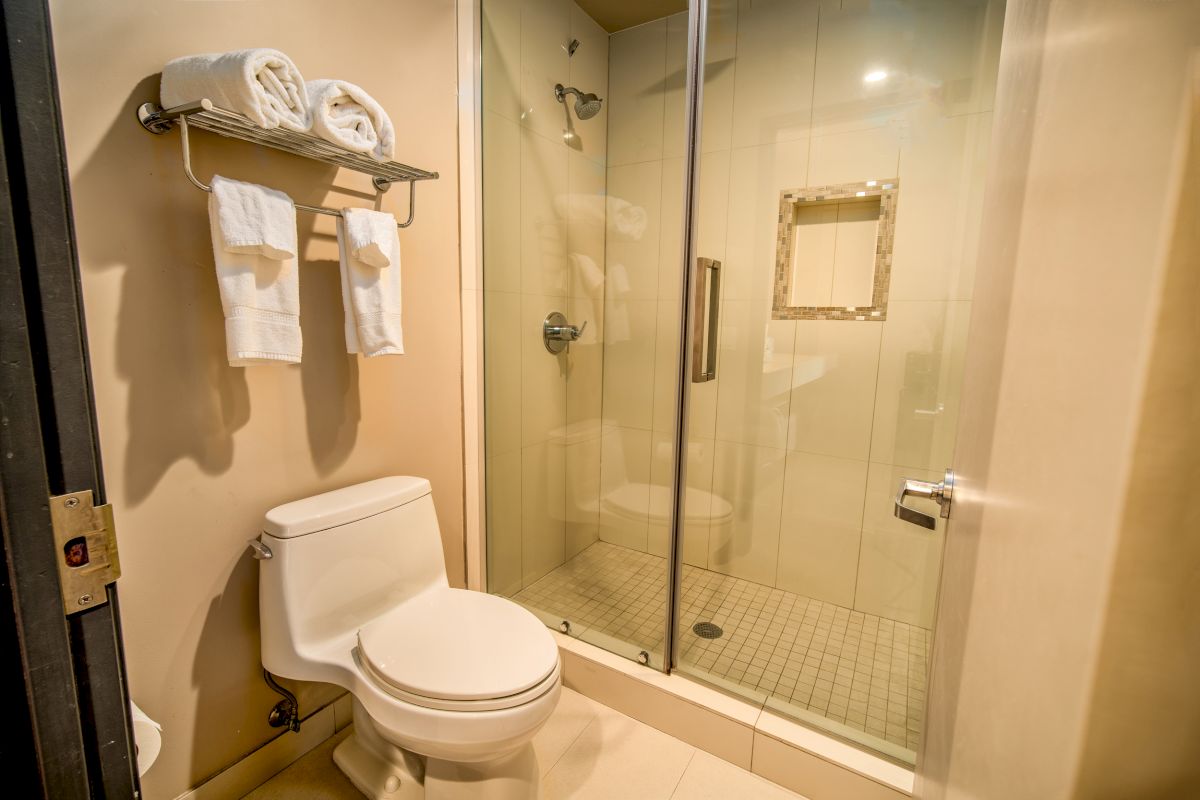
point(842, 160)
point(582, 213)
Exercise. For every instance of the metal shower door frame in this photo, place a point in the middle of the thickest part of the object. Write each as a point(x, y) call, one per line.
point(693, 109)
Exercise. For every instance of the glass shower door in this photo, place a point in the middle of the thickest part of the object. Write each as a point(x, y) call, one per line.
point(841, 161)
point(583, 142)
point(833, 209)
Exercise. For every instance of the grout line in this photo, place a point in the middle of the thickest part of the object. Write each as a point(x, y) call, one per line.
point(686, 767)
point(870, 440)
point(754, 738)
point(574, 739)
point(812, 97)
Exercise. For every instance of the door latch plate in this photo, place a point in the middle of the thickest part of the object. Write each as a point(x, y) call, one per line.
point(85, 541)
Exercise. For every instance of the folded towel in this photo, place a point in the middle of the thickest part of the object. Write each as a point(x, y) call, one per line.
point(587, 274)
point(370, 294)
point(346, 115)
point(254, 219)
point(261, 83)
point(616, 309)
point(370, 235)
point(254, 247)
point(617, 281)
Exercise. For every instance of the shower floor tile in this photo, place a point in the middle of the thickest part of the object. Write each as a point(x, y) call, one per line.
point(860, 670)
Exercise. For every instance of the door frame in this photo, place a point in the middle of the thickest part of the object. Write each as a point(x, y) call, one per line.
point(74, 736)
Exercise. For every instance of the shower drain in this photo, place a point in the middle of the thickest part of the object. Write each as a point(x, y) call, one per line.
point(707, 630)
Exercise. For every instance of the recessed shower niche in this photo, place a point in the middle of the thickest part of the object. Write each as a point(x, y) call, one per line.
point(834, 251)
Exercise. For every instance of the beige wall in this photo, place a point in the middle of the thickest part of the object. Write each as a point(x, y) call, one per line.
point(1143, 729)
point(543, 235)
point(1067, 617)
point(196, 451)
point(810, 424)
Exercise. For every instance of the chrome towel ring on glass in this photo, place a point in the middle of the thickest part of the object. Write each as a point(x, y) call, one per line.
point(204, 115)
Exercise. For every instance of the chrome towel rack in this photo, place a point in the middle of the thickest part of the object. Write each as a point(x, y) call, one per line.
point(204, 115)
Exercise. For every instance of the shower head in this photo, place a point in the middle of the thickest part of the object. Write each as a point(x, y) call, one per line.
point(586, 105)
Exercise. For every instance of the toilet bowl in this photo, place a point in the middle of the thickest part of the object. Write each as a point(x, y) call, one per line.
point(449, 685)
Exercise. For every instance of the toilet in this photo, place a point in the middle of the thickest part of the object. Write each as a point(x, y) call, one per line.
point(449, 685)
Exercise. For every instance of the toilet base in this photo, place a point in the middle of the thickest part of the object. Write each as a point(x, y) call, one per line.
point(377, 776)
point(383, 771)
point(513, 777)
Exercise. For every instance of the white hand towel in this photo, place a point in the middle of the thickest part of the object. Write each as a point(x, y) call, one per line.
point(254, 247)
point(616, 309)
point(260, 83)
point(370, 295)
point(254, 219)
point(587, 275)
point(370, 235)
point(346, 115)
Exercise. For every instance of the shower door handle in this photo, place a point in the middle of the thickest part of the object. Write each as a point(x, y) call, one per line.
point(706, 312)
point(942, 493)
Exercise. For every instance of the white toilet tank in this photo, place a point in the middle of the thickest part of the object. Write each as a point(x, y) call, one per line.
point(342, 558)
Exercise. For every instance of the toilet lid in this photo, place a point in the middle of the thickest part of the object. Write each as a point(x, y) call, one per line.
point(455, 644)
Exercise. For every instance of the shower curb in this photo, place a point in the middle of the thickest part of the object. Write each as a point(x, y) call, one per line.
point(785, 752)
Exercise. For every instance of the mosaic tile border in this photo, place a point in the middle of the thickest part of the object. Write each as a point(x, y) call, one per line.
point(887, 190)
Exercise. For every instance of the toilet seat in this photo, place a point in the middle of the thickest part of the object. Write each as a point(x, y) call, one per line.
point(441, 704)
point(458, 650)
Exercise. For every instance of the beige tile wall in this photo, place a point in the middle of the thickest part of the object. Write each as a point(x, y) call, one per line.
point(810, 423)
point(543, 217)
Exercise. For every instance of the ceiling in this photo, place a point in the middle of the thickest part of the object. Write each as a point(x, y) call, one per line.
point(617, 15)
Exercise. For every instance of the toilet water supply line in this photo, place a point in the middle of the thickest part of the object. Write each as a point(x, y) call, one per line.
point(286, 712)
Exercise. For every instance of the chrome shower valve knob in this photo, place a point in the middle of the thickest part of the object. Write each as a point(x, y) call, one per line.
point(557, 333)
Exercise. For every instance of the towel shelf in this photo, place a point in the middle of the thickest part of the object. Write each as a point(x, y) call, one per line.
point(206, 116)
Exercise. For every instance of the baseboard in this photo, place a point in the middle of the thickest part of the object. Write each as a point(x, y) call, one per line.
point(781, 750)
point(266, 762)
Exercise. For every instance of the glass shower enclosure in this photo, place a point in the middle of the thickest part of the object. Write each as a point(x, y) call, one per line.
point(732, 245)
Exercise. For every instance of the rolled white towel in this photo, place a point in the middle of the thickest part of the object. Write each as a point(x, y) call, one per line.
point(622, 218)
point(346, 115)
point(260, 83)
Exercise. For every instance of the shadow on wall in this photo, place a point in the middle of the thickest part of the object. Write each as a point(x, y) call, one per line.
point(148, 221)
point(227, 688)
point(226, 697)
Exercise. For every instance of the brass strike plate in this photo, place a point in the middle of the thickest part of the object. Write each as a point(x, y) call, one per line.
point(86, 543)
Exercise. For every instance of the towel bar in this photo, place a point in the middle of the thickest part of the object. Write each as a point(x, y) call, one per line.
point(206, 116)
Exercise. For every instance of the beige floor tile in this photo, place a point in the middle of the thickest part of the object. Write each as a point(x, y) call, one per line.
point(617, 757)
point(573, 714)
point(313, 777)
point(586, 750)
point(709, 778)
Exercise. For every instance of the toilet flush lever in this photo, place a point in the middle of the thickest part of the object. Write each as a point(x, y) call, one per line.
point(260, 550)
point(942, 493)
